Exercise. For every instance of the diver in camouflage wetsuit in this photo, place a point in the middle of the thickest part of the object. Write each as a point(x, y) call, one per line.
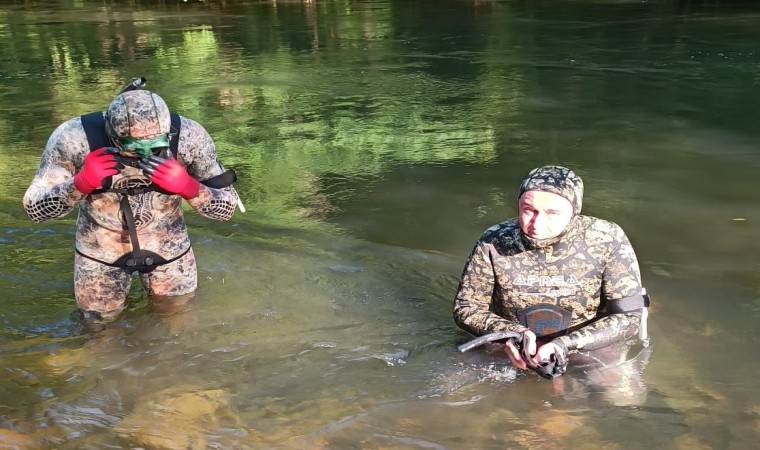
point(561, 279)
point(119, 168)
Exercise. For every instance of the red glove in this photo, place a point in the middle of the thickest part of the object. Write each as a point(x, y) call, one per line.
point(171, 176)
point(98, 165)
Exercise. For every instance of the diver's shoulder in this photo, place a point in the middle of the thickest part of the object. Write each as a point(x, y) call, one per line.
point(189, 124)
point(194, 134)
point(600, 227)
point(69, 136)
point(72, 126)
point(501, 231)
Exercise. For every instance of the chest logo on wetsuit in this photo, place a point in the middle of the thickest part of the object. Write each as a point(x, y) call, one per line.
point(564, 285)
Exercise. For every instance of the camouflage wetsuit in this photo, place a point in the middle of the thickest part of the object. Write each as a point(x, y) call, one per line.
point(101, 230)
point(591, 265)
point(585, 270)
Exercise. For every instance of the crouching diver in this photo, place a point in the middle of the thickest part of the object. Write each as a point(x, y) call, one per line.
point(128, 169)
point(557, 286)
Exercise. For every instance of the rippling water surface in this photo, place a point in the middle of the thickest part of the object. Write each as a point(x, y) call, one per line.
point(374, 142)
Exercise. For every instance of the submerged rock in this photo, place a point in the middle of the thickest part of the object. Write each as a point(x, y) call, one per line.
point(13, 440)
point(178, 418)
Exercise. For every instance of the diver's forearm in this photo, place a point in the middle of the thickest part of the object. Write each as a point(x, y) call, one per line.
point(218, 204)
point(45, 203)
point(480, 320)
point(603, 332)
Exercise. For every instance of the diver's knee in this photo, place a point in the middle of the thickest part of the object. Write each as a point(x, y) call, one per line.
point(95, 321)
point(171, 285)
point(171, 304)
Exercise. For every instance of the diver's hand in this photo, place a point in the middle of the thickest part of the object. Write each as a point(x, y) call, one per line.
point(170, 175)
point(521, 353)
point(546, 351)
point(98, 165)
point(550, 352)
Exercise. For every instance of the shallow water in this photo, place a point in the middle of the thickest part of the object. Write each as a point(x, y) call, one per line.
point(374, 142)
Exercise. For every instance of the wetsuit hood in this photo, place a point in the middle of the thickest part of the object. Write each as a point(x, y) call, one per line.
point(137, 114)
point(556, 180)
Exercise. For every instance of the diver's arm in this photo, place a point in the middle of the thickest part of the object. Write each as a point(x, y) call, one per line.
point(215, 203)
point(472, 305)
point(621, 282)
point(603, 332)
point(198, 153)
point(52, 193)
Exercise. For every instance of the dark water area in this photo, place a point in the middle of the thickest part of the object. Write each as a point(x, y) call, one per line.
point(375, 142)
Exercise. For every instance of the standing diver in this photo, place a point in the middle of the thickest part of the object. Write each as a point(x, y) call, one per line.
point(128, 169)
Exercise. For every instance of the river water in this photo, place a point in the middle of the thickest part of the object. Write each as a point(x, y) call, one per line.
point(375, 142)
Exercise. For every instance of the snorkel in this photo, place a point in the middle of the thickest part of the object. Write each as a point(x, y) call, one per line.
point(136, 83)
point(553, 368)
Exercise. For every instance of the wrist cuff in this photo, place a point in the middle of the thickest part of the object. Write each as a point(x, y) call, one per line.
point(82, 185)
point(559, 342)
point(191, 189)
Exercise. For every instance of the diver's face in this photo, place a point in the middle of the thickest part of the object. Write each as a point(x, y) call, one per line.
point(543, 215)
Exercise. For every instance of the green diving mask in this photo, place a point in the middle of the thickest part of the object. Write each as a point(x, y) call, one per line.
point(144, 148)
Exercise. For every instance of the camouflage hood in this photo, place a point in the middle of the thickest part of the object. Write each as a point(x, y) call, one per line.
point(557, 180)
point(138, 114)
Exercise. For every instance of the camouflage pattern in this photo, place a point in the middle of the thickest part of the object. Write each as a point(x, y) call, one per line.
point(592, 264)
point(101, 232)
point(587, 266)
point(103, 289)
point(139, 114)
point(557, 180)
